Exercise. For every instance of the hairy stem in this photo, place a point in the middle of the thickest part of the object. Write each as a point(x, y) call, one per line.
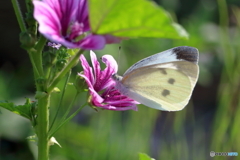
point(43, 127)
point(19, 15)
point(38, 55)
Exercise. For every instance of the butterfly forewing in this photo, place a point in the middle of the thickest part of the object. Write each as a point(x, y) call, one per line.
point(182, 53)
point(165, 86)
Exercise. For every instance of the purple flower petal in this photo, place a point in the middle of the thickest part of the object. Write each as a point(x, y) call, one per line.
point(111, 39)
point(54, 45)
point(97, 70)
point(111, 68)
point(87, 69)
point(48, 20)
point(96, 98)
point(82, 13)
point(92, 42)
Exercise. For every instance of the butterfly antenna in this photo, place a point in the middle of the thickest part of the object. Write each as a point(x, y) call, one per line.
point(119, 52)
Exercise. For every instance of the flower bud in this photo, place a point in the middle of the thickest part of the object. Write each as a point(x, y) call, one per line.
point(80, 84)
point(27, 40)
point(56, 90)
point(53, 141)
point(61, 63)
point(46, 58)
point(31, 22)
point(73, 51)
point(41, 81)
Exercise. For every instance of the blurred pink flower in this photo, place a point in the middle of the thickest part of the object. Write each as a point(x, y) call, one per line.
point(66, 22)
point(54, 45)
point(101, 85)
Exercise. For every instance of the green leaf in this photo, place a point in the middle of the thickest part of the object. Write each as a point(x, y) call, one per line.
point(143, 156)
point(22, 110)
point(132, 18)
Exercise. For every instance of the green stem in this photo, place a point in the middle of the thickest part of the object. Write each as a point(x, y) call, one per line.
point(50, 69)
point(43, 127)
point(35, 55)
point(65, 115)
point(27, 2)
point(69, 107)
point(66, 69)
point(19, 15)
point(38, 55)
point(35, 69)
point(225, 41)
point(66, 120)
point(61, 99)
point(41, 43)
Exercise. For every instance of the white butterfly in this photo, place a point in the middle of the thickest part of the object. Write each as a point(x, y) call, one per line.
point(163, 81)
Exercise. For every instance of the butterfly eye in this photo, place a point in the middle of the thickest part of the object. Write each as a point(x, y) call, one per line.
point(116, 77)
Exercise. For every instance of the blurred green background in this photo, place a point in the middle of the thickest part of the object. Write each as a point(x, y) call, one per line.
point(210, 122)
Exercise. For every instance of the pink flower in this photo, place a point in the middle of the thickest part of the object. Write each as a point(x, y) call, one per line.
point(54, 45)
point(66, 22)
point(101, 85)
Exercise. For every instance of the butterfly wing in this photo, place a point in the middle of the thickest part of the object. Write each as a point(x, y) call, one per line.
point(182, 53)
point(166, 86)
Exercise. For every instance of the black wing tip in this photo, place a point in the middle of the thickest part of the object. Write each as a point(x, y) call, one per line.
point(186, 53)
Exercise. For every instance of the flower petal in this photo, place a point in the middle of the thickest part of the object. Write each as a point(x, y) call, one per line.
point(87, 69)
point(93, 42)
point(111, 64)
point(113, 96)
point(82, 14)
point(112, 39)
point(97, 70)
point(66, 12)
point(49, 24)
point(106, 74)
point(96, 98)
point(87, 80)
point(110, 107)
